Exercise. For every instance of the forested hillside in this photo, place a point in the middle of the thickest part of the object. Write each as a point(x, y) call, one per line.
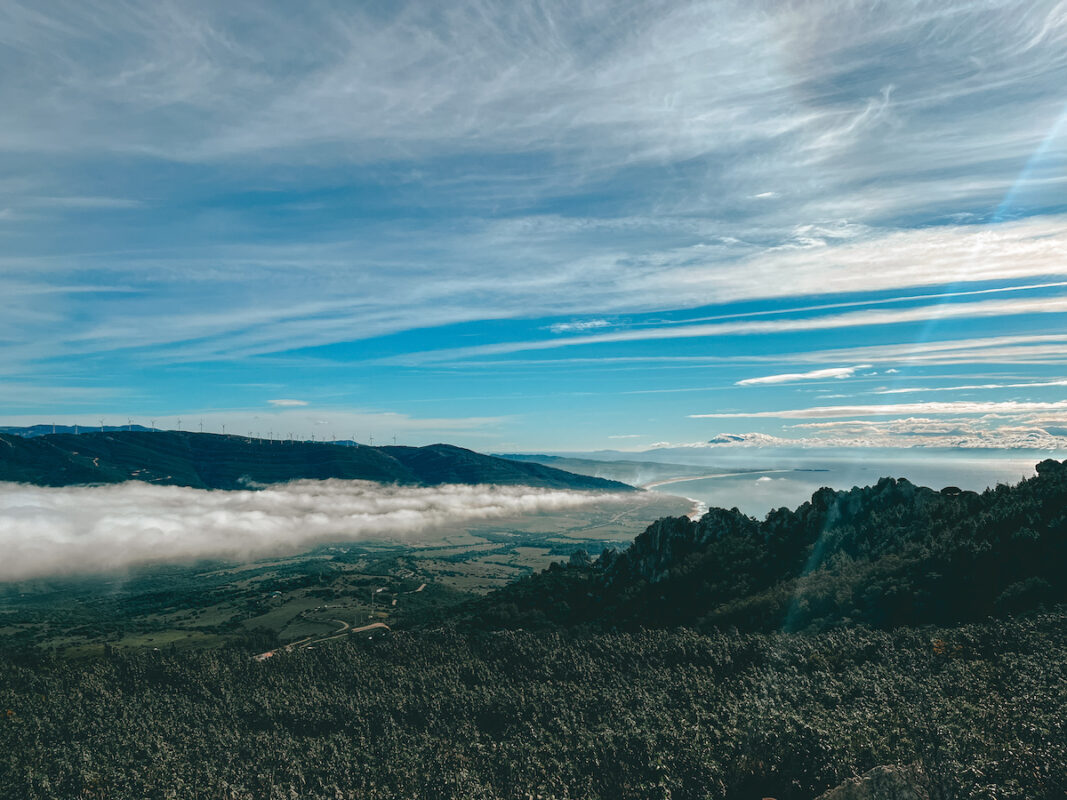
point(211, 461)
point(645, 716)
point(885, 555)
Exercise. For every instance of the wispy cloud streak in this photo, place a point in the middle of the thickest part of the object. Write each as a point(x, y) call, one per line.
point(837, 373)
point(953, 407)
point(972, 387)
point(855, 319)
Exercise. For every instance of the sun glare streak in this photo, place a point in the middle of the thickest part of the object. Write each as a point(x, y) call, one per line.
point(1001, 214)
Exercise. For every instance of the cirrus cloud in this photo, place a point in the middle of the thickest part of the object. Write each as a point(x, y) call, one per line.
point(953, 407)
point(795, 377)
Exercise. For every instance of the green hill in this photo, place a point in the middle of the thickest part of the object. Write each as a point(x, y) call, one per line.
point(885, 555)
point(211, 461)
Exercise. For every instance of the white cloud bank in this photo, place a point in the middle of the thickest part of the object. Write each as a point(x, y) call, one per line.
point(85, 529)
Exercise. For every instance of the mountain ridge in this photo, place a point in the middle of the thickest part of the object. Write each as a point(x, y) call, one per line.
point(216, 461)
point(884, 555)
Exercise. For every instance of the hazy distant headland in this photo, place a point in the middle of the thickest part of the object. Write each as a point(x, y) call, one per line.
point(772, 477)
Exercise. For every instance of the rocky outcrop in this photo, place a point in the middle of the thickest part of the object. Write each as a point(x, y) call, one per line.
point(668, 541)
point(883, 783)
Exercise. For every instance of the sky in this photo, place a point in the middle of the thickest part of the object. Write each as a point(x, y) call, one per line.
point(539, 226)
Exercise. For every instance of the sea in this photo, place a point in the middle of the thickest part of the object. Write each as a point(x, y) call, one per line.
point(789, 478)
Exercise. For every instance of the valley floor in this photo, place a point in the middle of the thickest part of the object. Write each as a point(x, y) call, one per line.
point(270, 602)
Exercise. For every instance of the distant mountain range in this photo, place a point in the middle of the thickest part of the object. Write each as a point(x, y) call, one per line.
point(213, 461)
point(32, 431)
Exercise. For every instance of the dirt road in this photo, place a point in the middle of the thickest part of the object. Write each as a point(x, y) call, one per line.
point(346, 629)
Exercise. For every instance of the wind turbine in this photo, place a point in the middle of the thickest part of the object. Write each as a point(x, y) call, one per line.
point(153, 424)
point(201, 424)
point(394, 440)
point(101, 426)
point(129, 425)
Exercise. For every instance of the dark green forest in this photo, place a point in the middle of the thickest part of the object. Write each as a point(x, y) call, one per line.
point(446, 714)
point(724, 658)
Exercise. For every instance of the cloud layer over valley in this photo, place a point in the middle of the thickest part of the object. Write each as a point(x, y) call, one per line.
point(87, 529)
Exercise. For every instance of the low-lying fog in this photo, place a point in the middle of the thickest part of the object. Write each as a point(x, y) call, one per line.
point(82, 529)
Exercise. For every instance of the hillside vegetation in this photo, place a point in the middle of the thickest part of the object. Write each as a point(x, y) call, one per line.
point(212, 461)
point(885, 555)
point(650, 715)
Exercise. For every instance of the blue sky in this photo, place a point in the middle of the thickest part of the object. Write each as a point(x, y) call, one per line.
point(539, 227)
